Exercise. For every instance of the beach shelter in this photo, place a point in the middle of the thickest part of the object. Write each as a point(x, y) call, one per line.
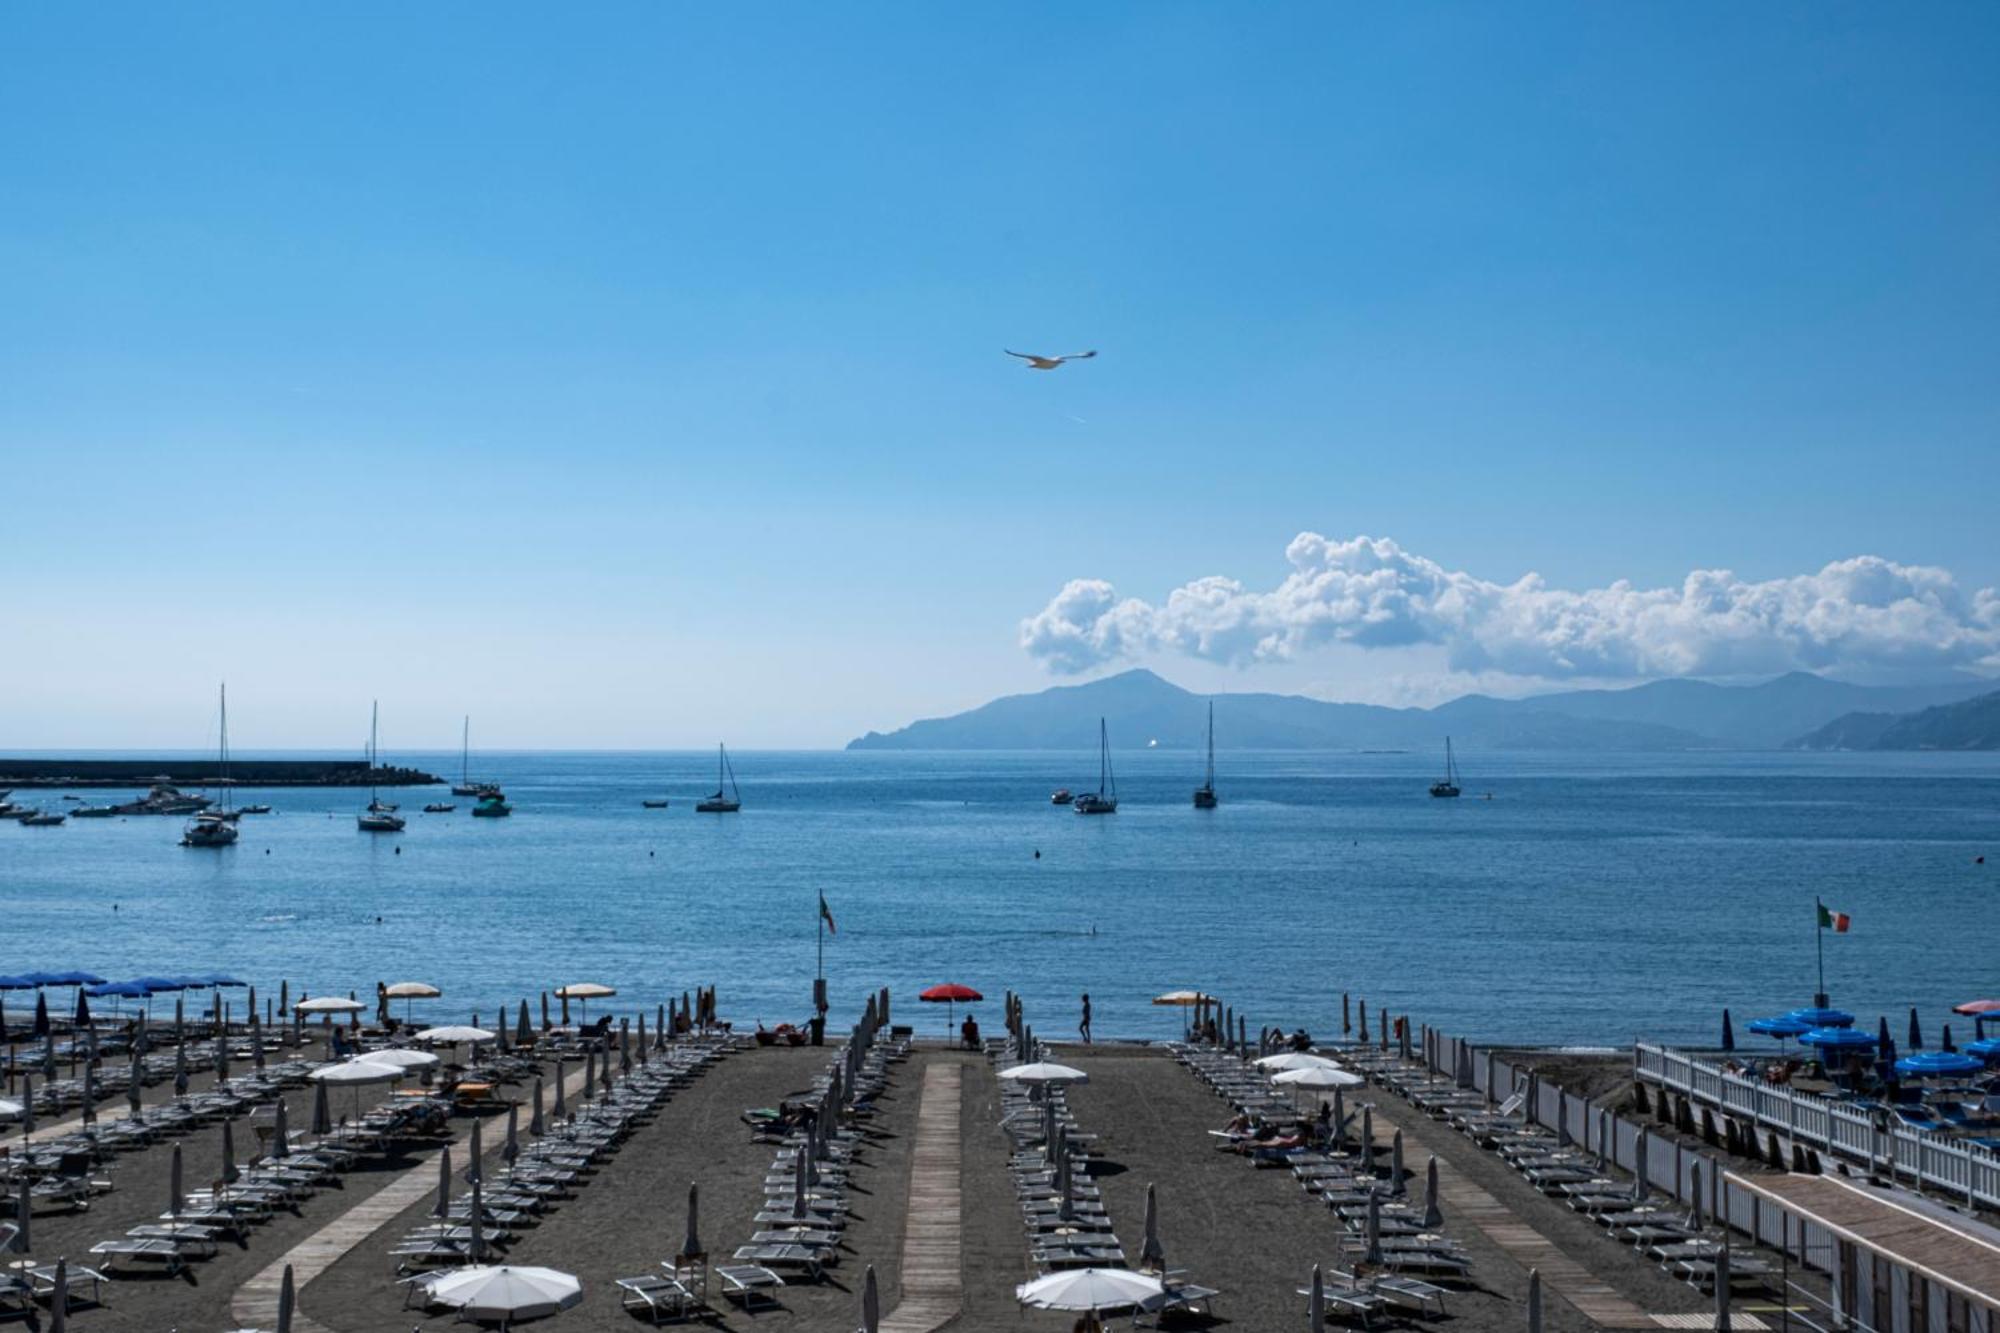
point(504, 1293)
point(1939, 1064)
point(950, 994)
point(1091, 1290)
point(871, 1303)
point(1152, 1254)
point(409, 992)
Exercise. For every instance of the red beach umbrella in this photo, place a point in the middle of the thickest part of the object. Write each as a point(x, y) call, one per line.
point(948, 994)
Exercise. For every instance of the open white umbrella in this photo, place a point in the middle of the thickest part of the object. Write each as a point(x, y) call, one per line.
point(583, 992)
point(10, 1110)
point(453, 1034)
point(506, 1293)
point(355, 1074)
point(398, 1057)
point(1315, 1078)
point(1286, 1061)
point(408, 991)
point(1090, 1289)
point(1044, 1071)
point(328, 1004)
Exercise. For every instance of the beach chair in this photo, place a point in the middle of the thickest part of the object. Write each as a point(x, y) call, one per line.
point(656, 1298)
point(163, 1254)
point(1349, 1303)
point(746, 1284)
point(803, 1261)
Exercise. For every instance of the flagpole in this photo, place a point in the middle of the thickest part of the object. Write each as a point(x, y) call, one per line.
point(819, 981)
point(1819, 947)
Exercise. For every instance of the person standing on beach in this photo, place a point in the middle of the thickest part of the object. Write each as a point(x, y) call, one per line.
point(1084, 1027)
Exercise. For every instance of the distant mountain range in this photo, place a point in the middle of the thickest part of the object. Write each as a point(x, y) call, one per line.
point(1970, 724)
point(1664, 715)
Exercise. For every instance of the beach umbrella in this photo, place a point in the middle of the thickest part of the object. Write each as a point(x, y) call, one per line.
point(1316, 1303)
point(281, 1133)
point(81, 1019)
point(328, 1005)
point(1534, 1300)
point(1780, 1027)
point(1433, 1211)
point(1820, 1017)
point(535, 1125)
point(1916, 1031)
point(89, 1094)
point(181, 1070)
point(221, 1056)
point(642, 1036)
point(545, 1011)
point(1044, 1072)
point(23, 1216)
point(230, 1175)
point(409, 992)
point(1151, 1253)
point(504, 1293)
point(322, 1118)
point(1944, 1042)
point(1368, 1139)
point(1837, 1041)
point(589, 1071)
point(511, 1149)
point(871, 1303)
point(660, 1033)
point(441, 1209)
point(59, 1298)
point(1882, 1041)
point(1286, 1061)
point(1090, 1289)
point(1986, 1048)
point(1374, 1251)
point(559, 1108)
point(501, 1038)
point(950, 994)
point(401, 1057)
point(1396, 1185)
point(799, 1161)
point(691, 1243)
point(41, 1028)
point(1339, 1120)
point(49, 1054)
point(583, 992)
point(1728, 1032)
point(1319, 1078)
point(1639, 1167)
point(523, 1034)
point(473, 1154)
point(1696, 1221)
point(27, 1105)
point(256, 1040)
point(176, 1196)
point(1603, 1140)
point(1939, 1064)
point(286, 1301)
point(475, 1250)
point(454, 1034)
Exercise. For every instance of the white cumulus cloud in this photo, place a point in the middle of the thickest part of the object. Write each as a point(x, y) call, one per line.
point(1864, 615)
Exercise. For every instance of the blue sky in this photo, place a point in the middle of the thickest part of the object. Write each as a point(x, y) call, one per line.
point(632, 376)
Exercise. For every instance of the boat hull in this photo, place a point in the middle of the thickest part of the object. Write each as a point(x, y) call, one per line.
point(1204, 799)
point(713, 807)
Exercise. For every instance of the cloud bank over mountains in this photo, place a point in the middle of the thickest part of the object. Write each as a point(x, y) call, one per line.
point(1863, 616)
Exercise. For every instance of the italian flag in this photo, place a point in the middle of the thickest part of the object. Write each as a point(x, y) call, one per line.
point(1838, 922)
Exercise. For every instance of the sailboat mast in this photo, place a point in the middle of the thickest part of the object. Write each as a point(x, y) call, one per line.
point(1211, 743)
point(465, 753)
point(222, 752)
point(374, 727)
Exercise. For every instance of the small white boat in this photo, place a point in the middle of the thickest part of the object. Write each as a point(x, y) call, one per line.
point(439, 808)
point(208, 831)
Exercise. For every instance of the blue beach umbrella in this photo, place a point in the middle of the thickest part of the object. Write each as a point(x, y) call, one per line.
point(1986, 1048)
point(1832, 1042)
point(1823, 1018)
point(159, 984)
point(1780, 1028)
point(120, 990)
point(16, 983)
point(1934, 1064)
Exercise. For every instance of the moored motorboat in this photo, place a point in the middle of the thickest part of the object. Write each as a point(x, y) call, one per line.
point(1061, 796)
point(208, 831)
point(439, 808)
point(654, 805)
point(93, 812)
point(42, 819)
point(163, 799)
point(492, 804)
point(259, 809)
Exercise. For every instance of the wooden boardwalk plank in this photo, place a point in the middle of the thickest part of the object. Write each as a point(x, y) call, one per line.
point(932, 1274)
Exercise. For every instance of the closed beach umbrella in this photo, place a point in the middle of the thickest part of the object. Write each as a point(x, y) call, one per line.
point(322, 1118)
point(691, 1243)
point(1368, 1139)
point(1695, 1219)
point(511, 1149)
point(1534, 1300)
point(441, 1209)
point(1316, 1303)
point(41, 1028)
point(1396, 1164)
point(27, 1105)
point(604, 1072)
point(560, 1080)
point(799, 1182)
point(81, 1019)
point(642, 1036)
point(1728, 1032)
point(871, 1303)
point(256, 1040)
point(286, 1301)
point(1916, 1042)
point(1639, 1166)
point(176, 1197)
point(476, 1249)
point(1433, 1211)
point(24, 1215)
point(281, 1133)
point(589, 1071)
point(535, 1125)
point(221, 1057)
point(1374, 1253)
point(545, 1011)
point(1603, 1140)
point(473, 1154)
point(180, 1070)
point(89, 1094)
point(59, 1298)
point(230, 1175)
point(1944, 1042)
point(1152, 1253)
point(1339, 1120)
point(523, 1034)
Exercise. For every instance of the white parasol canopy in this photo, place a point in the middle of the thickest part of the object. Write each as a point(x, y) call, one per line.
point(355, 1074)
point(505, 1292)
point(1090, 1289)
point(397, 1057)
point(585, 990)
point(454, 1034)
point(1044, 1071)
point(1286, 1061)
point(1319, 1077)
point(10, 1110)
point(328, 1004)
point(412, 990)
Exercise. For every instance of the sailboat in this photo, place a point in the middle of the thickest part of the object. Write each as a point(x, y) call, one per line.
point(216, 828)
point(1448, 784)
point(1103, 801)
point(1204, 795)
point(465, 786)
point(725, 781)
point(377, 818)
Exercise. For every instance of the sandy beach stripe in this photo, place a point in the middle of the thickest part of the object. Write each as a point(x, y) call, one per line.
point(932, 1235)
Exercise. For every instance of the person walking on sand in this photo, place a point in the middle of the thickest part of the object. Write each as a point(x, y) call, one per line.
point(1084, 1026)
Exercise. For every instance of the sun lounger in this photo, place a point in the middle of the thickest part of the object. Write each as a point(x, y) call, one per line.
point(163, 1253)
point(747, 1283)
point(1350, 1303)
point(657, 1298)
point(802, 1260)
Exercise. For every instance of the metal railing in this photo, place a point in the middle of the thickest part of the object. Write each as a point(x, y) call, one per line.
point(1960, 1170)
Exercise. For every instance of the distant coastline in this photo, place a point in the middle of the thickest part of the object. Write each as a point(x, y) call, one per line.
point(61, 772)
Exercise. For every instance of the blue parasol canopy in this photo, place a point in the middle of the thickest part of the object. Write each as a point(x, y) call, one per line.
point(1929, 1064)
point(128, 990)
point(1823, 1018)
point(1839, 1039)
point(157, 984)
point(221, 979)
point(1778, 1027)
point(1986, 1048)
point(16, 983)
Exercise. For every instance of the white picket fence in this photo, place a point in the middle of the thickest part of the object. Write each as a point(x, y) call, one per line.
point(1929, 1161)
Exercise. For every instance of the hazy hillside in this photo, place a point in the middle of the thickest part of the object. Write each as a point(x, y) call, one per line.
point(1971, 724)
point(1139, 707)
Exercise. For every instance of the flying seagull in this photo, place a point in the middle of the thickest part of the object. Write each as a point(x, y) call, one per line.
point(1049, 362)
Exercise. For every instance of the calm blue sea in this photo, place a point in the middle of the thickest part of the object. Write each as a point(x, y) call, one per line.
point(1594, 898)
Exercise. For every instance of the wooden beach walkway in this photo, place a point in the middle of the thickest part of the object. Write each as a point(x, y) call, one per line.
point(255, 1304)
point(931, 1275)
